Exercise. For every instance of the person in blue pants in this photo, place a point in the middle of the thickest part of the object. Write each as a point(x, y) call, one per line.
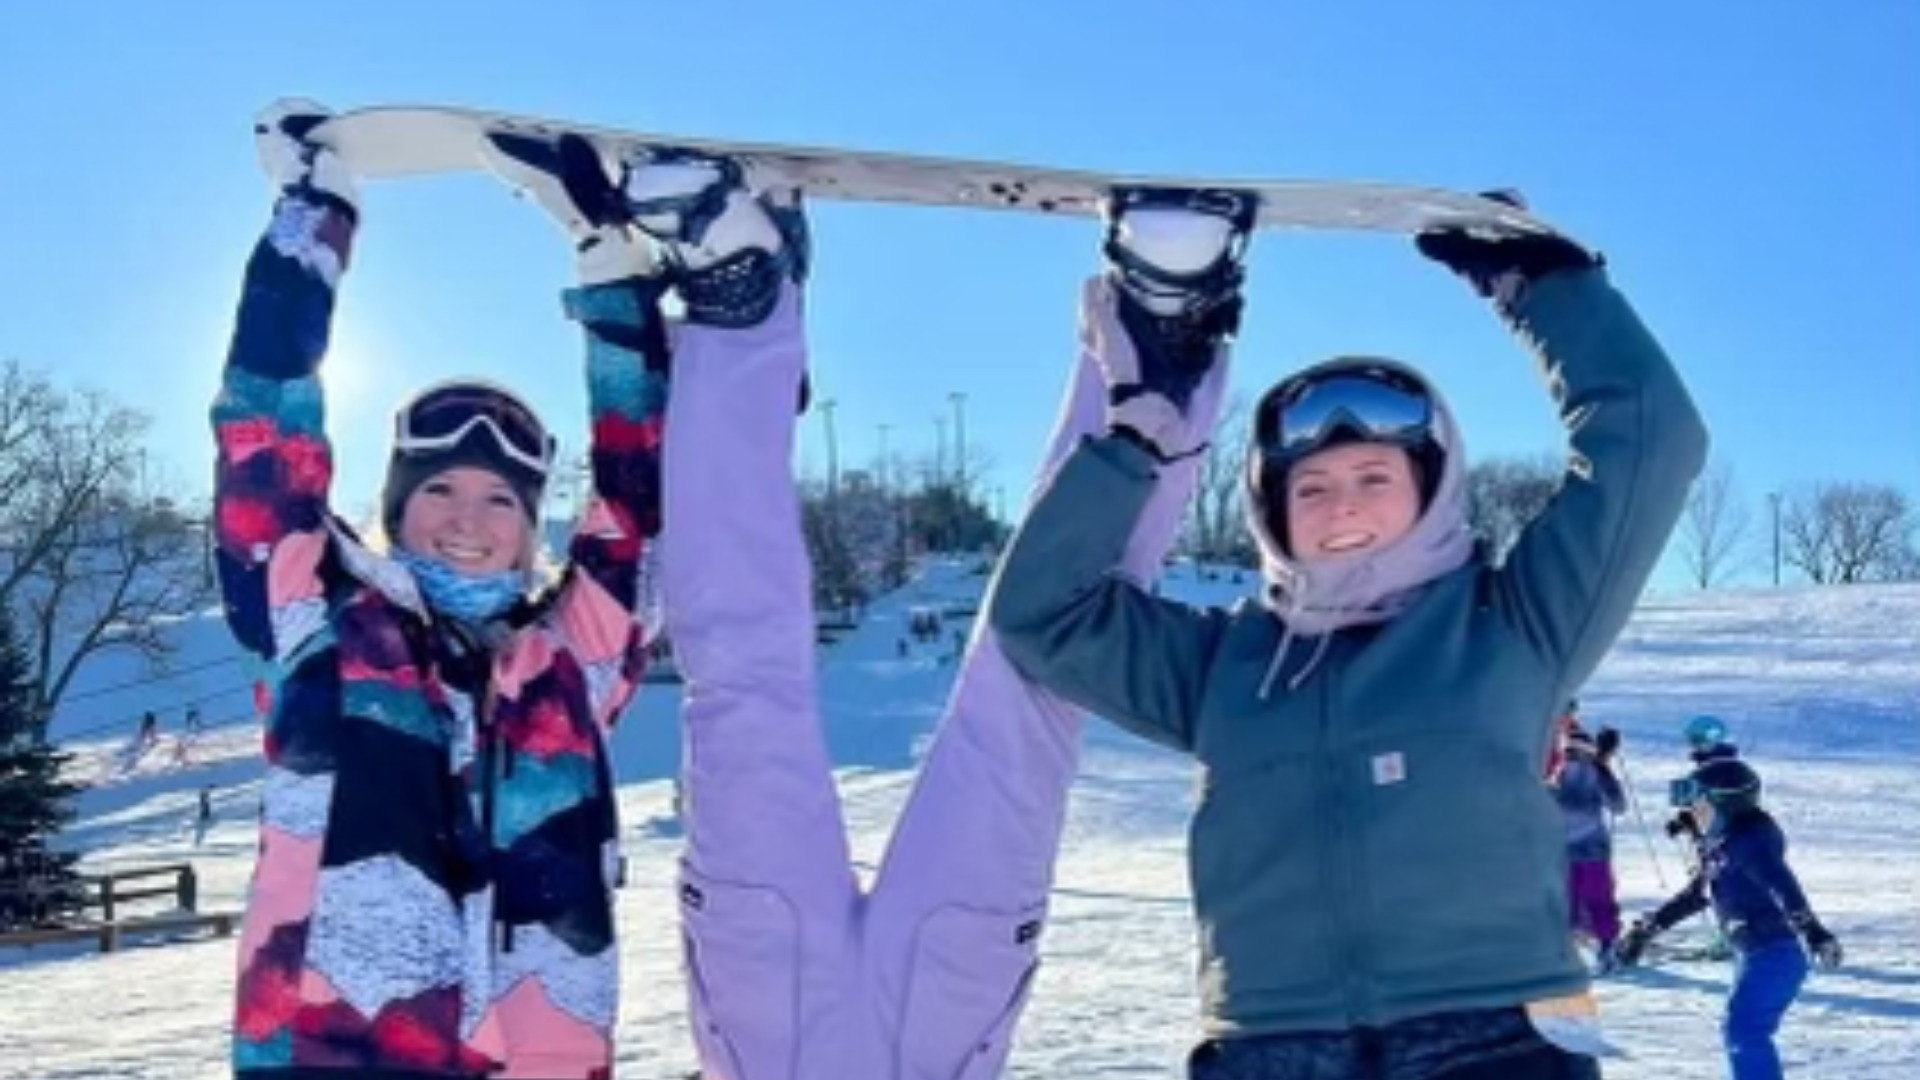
point(1743, 874)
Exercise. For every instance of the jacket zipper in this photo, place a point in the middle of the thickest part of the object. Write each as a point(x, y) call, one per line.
point(1340, 857)
point(498, 763)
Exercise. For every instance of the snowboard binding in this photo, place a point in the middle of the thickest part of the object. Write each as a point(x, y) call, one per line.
point(1177, 256)
point(728, 250)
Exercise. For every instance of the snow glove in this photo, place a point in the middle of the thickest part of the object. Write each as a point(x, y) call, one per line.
point(1501, 264)
point(566, 177)
point(1820, 942)
point(299, 167)
point(1607, 742)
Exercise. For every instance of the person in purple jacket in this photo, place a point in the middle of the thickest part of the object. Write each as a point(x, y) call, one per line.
point(795, 969)
point(1588, 792)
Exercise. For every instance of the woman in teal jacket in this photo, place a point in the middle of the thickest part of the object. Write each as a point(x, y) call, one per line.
point(1377, 872)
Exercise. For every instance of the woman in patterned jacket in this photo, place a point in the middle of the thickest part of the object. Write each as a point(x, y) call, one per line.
point(433, 891)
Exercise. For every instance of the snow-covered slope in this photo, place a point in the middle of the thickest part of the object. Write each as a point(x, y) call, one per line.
point(1819, 685)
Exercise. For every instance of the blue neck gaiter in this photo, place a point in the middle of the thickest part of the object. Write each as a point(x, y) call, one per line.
point(467, 597)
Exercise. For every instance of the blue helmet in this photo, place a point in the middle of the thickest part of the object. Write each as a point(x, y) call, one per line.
point(1703, 732)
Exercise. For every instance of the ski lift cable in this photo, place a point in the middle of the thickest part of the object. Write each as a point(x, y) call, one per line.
point(131, 684)
point(135, 718)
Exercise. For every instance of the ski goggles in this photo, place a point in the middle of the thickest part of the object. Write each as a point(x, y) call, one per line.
point(1684, 792)
point(1371, 403)
point(440, 417)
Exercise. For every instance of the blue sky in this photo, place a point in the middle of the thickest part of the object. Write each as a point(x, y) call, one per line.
point(1752, 172)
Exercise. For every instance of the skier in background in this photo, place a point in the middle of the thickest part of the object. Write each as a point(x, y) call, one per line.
point(1369, 901)
point(1707, 740)
point(203, 816)
point(1588, 792)
point(1744, 876)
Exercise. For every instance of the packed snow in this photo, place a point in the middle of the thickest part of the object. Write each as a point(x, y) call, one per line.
point(1819, 686)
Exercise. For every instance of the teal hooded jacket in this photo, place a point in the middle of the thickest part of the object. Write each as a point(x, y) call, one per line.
point(1372, 840)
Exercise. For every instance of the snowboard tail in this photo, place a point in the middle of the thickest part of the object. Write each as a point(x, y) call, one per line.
point(393, 141)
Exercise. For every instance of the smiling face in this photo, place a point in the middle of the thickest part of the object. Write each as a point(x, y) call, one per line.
point(1350, 499)
point(468, 518)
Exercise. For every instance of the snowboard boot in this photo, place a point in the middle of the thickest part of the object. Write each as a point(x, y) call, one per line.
point(729, 252)
point(1605, 962)
point(1176, 257)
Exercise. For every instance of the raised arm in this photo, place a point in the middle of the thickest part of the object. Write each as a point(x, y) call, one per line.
point(1636, 444)
point(598, 609)
point(274, 465)
point(1068, 620)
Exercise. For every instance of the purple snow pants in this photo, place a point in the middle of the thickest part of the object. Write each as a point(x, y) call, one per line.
point(1590, 891)
point(794, 972)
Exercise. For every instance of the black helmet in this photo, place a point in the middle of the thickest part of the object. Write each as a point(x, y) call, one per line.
point(1345, 400)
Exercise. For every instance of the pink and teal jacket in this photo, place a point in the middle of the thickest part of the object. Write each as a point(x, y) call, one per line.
point(433, 895)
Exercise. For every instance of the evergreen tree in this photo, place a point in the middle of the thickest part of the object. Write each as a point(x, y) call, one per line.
point(34, 800)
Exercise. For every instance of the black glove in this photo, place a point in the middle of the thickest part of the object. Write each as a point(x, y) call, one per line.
point(1820, 942)
point(1607, 741)
point(1500, 265)
point(1633, 944)
point(1680, 825)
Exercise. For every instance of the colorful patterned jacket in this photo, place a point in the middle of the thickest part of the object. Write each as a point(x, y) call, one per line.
point(433, 891)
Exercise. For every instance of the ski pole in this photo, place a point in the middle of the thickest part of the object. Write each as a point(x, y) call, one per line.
point(1633, 801)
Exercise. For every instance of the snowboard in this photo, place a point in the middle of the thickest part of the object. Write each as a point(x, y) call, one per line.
point(400, 141)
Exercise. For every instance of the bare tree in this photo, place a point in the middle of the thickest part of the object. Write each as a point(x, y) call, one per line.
point(58, 455)
point(1714, 526)
point(1215, 529)
point(90, 559)
point(1840, 533)
point(1504, 494)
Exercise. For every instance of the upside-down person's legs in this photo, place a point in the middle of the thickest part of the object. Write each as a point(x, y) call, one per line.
point(958, 904)
point(740, 613)
point(768, 893)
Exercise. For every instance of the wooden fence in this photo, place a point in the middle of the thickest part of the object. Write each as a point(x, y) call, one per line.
point(71, 916)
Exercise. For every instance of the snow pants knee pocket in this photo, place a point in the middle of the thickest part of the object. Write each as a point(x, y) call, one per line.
point(972, 969)
point(742, 947)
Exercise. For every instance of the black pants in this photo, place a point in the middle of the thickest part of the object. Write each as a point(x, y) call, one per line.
point(1488, 1044)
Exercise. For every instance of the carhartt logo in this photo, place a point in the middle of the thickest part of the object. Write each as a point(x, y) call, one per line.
point(1389, 768)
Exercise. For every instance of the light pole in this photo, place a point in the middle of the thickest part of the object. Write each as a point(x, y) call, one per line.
point(1774, 498)
point(833, 450)
point(881, 471)
point(959, 400)
point(939, 449)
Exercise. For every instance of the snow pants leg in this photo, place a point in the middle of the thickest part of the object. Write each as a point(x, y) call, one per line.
point(1765, 982)
point(957, 909)
point(1595, 907)
point(768, 897)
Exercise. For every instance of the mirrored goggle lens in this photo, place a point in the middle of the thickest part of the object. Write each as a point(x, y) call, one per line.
point(444, 416)
point(1684, 792)
point(1374, 406)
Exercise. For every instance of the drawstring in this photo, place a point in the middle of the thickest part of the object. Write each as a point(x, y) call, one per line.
point(1319, 652)
point(1279, 654)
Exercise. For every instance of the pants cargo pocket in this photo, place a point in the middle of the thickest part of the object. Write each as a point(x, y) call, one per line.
point(743, 957)
point(971, 972)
